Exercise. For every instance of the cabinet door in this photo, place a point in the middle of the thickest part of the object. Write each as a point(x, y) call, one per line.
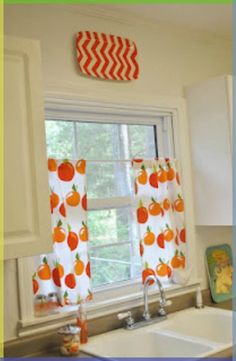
point(27, 225)
point(209, 115)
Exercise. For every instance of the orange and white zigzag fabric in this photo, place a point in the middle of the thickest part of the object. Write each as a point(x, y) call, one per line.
point(107, 56)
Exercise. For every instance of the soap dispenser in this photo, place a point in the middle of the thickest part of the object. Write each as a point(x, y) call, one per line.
point(82, 322)
point(199, 302)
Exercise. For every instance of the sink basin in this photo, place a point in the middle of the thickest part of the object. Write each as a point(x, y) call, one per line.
point(188, 333)
point(209, 323)
point(118, 344)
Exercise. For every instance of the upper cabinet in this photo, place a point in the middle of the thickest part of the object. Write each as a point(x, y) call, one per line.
point(27, 225)
point(210, 117)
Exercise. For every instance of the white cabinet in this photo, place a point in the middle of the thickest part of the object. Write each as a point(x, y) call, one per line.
point(210, 117)
point(27, 227)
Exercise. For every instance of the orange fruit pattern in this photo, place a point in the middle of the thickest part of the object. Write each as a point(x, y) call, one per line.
point(62, 210)
point(81, 166)
point(84, 202)
point(67, 270)
point(87, 270)
point(161, 240)
point(163, 269)
point(168, 234)
point(154, 208)
point(178, 260)
point(52, 165)
point(83, 233)
point(162, 175)
point(59, 234)
point(72, 239)
point(153, 179)
point(142, 213)
point(44, 271)
point(35, 284)
point(148, 272)
point(170, 173)
point(54, 200)
point(73, 198)
point(142, 176)
point(179, 204)
point(78, 265)
point(149, 237)
point(141, 248)
point(182, 235)
point(160, 217)
point(166, 204)
point(70, 280)
point(66, 171)
point(57, 274)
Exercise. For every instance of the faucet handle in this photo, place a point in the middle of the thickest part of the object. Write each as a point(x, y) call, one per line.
point(168, 303)
point(165, 303)
point(162, 311)
point(128, 318)
point(123, 315)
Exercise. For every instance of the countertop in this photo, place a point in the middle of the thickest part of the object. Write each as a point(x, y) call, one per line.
point(46, 345)
point(227, 305)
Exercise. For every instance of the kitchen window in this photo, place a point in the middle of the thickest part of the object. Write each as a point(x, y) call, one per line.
point(107, 135)
point(108, 147)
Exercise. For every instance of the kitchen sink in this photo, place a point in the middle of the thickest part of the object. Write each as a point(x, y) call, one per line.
point(208, 323)
point(189, 333)
point(143, 344)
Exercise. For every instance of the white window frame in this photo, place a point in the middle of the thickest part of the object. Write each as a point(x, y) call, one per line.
point(127, 117)
point(117, 297)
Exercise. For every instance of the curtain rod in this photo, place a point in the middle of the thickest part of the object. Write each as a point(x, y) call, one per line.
point(120, 160)
point(126, 160)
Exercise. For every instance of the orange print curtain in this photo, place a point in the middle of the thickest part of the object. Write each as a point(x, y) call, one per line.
point(160, 217)
point(66, 273)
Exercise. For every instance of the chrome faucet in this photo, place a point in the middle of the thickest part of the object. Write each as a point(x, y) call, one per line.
point(161, 312)
point(130, 323)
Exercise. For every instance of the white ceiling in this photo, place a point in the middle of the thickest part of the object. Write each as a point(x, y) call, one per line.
point(215, 18)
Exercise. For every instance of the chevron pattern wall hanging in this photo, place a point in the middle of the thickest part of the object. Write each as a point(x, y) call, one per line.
point(107, 56)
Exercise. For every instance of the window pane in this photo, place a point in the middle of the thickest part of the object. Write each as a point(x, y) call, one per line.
point(60, 139)
point(107, 180)
point(95, 141)
point(142, 141)
point(115, 141)
point(99, 141)
point(110, 264)
point(111, 226)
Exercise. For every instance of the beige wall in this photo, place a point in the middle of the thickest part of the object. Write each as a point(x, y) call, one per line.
point(170, 58)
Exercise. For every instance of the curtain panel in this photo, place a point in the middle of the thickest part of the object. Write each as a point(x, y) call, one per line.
point(160, 217)
point(66, 272)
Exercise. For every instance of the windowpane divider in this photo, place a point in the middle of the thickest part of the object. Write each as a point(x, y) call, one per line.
point(109, 203)
point(109, 245)
point(111, 260)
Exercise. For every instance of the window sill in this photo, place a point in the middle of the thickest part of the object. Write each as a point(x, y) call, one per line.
point(99, 308)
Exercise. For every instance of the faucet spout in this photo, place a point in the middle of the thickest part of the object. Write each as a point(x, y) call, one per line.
point(146, 314)
point(162, 293)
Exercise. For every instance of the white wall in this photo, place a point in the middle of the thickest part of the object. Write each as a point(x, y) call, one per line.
point(170, 58)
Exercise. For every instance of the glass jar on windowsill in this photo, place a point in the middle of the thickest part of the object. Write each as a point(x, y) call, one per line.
point(45, 305)
point(69, 340)
point(41, 305)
